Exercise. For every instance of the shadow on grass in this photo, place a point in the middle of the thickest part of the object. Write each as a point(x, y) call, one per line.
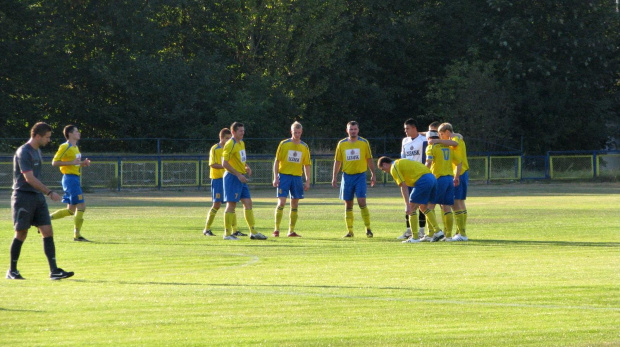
point(229, 285)
point(300, 243)
point(541, 243)
point(19, 310)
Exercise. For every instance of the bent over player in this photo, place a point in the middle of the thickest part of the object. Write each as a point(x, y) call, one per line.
point(418, 187)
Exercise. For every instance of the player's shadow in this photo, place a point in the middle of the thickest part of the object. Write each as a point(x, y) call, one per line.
point(230, 285)
point(19, 310)
point(491, 243)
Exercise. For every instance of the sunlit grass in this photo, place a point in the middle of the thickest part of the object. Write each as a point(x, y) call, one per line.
point(541, 269)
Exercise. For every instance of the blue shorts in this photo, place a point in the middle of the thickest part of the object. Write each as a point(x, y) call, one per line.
point(445, 191)
point(290, 186)
point(353, 185)
point(217, 190)
point(460, 191)
point(73, 191)
point(234, 190)
point(424, 190)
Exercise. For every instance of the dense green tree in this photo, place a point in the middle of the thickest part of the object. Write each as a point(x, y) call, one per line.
point(499, 70)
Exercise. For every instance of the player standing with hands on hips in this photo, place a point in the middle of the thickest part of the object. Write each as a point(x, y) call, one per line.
point(69, 159)
point(354, 156)
point(28, 202)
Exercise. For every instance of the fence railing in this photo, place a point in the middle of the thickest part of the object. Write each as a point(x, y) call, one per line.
point(157, 171)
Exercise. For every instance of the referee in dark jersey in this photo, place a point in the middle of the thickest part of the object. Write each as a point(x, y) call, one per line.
point(28, 202)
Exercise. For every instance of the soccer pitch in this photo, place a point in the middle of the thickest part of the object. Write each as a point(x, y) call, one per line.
point(542, 269)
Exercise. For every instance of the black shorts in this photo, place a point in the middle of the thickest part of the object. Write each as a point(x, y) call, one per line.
point(29, 209)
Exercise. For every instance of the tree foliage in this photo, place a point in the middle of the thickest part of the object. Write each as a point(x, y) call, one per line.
point(498, 70)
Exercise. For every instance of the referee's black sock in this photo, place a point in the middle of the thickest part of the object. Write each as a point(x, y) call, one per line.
point(16, 249)
point(50, 252)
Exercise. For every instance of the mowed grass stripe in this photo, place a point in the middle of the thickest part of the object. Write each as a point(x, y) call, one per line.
point(532, 274)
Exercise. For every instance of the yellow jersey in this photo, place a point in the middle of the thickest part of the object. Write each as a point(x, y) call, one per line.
point(408, 171)
point(461, 152)
point(68, 152)
point(292, 157)
point(234, 154)
point(443, 158)
point(215, 157)
point(353, 155)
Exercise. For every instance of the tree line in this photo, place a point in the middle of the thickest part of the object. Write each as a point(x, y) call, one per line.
point(538, 73)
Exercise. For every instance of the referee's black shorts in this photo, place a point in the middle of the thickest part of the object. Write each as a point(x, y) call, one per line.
point(29, 209)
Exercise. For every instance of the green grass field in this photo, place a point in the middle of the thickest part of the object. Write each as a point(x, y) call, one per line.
point(542, 269)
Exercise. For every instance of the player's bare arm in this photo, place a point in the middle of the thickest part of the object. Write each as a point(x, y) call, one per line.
point(457, 174)
point(337, 166)
point(443, 142)
point(308, 172)
point(371, 166)
point(276, 179)
point(404, 191)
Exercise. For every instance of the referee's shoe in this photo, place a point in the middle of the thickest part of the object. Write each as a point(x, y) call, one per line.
point(59, 274)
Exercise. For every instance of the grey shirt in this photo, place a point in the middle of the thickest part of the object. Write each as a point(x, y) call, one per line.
point(26, 159)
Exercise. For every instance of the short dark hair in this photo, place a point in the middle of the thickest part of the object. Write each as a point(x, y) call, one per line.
point(236, 125)
point(411, 122)
point(434, 124)
point(41, 128)
point(224, 132)
point(384, 160)
point(68, 130)
point(352, 123)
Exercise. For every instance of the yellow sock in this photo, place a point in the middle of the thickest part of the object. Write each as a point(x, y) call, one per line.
point(431, 220)
point(211, 218)
point(65, 212)
point(430, 229)
point(293, 220)
point(234, 226)
point(460, 225)
point(348, 218)
point(413, 220)
point(279, 213)
point(448, 223)
point(78, 220)
point(365, 216)
point(464, 222)
point(249, 219)
point(229, 218)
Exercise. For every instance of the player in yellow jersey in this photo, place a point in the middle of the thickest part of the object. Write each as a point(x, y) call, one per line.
point(354, 157)
point(418, 187)
point(216, 172)
point(292, 158)
point(236, 188)
point(440, 159)
point(69, 159)
point(446, 132)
